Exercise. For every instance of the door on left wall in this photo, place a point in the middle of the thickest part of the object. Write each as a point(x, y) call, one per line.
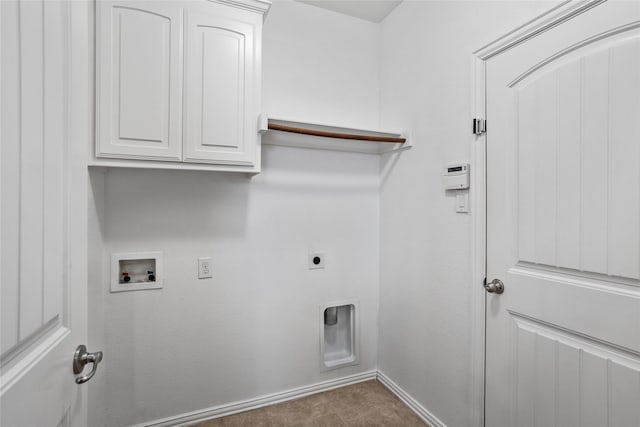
point(45, 129)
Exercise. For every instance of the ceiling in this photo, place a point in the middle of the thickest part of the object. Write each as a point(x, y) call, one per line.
point(369, 10)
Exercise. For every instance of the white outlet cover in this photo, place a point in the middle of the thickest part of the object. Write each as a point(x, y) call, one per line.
point(204, 268)
point(313, 264)
point(462, 202)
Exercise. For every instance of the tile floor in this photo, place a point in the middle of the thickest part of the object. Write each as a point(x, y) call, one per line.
point(364, 404)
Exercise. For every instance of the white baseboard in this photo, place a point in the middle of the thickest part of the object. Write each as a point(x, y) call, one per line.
point(416, 407)
point(190, 418)
point(246, 405)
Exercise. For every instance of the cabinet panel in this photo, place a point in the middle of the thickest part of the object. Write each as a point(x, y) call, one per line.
point(220, 110)
point(222, 80)
point(139, 81)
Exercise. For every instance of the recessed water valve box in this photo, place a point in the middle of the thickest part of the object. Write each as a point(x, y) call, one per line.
point(135, 271)
point(456, 177)
point(339, 335)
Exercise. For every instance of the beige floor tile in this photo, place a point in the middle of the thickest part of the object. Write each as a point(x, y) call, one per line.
point(326, 420)
point(364, 404)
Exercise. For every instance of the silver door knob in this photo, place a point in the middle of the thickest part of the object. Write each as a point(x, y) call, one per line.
point(82, 357)
point(495, 286)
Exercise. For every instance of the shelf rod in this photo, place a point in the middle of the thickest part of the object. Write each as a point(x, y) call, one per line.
point(303, 131)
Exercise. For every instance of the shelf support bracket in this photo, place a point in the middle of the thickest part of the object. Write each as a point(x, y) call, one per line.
point(263, 123)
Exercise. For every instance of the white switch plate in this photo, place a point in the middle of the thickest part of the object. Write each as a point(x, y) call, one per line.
point(204, 268)
point(462, 202)
point(316, 260)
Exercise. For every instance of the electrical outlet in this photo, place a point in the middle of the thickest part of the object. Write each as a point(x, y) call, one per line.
point(204, 268)
point(316, 261)
point(462, 202)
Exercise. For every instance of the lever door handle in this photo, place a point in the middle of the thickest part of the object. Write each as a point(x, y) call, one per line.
point(82, 357)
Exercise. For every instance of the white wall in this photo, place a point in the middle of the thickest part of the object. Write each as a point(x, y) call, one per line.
point(425, 282)
point(320, 66)
point(96, 277)
point(253, 329)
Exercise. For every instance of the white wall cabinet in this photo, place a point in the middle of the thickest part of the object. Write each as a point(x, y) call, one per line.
point(139, 81)
point(220, 119)
point(178, 84)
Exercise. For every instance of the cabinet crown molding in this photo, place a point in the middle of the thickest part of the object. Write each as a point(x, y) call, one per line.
point(258, 6)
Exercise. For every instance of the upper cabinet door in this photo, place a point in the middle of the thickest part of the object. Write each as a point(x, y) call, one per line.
point(220, 111)
point(139, 80)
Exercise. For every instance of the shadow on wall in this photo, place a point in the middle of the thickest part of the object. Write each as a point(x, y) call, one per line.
point(314, 170)
point(141, 204)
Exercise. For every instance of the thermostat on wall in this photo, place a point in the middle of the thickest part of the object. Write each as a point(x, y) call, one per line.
point(456, 177)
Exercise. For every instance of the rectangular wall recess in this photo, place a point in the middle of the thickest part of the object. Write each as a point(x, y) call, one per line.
point(339, 335)
point(135, 271)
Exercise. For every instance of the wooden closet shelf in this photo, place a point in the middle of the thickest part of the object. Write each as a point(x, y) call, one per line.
point(303, 134)
point(338, 135)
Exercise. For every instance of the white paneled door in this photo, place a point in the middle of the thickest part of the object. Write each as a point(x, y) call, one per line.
point(563, 225)
point(44, 126)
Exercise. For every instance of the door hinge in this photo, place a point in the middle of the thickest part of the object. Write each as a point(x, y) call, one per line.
point(479, 126)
